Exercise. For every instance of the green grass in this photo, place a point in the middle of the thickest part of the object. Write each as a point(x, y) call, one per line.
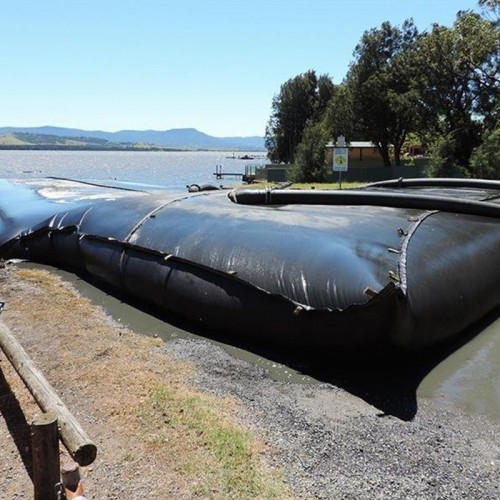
point(302, 185)
point(220, 459)
point(326, 185)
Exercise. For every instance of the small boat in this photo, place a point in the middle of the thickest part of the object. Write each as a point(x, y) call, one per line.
point(403, 264)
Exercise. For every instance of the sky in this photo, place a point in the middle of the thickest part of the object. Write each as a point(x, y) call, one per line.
point(213, 65)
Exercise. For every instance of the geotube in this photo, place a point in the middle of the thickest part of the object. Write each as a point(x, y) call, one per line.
point(341, 271)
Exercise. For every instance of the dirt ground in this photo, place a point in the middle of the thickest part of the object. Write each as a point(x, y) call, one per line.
point(184, 419)
point(106, 375)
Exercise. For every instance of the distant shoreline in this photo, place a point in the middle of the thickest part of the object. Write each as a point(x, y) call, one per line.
point(40, 147)
point(62, 139)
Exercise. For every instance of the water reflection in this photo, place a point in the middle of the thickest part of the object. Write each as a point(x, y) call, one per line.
point(165, 168)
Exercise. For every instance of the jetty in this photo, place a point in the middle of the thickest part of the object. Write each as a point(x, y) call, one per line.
point(248, 176)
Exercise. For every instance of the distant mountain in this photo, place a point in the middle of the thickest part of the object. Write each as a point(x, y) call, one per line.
point(183, 138)
point(28, 140)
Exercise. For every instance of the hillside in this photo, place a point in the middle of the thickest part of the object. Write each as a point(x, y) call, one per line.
point(12, 140)
point(26, 140)
point(185, 138)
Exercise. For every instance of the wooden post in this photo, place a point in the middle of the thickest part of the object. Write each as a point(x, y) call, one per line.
point(45, 452)
point(70, 475)
point(73, 436)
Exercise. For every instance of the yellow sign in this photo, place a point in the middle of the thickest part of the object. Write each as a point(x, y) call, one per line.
point(340, 159)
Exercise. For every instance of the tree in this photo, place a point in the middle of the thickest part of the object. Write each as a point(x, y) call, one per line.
point(339, 118)
point(381, 82)
point(301, 100)
point(491, 11)
point(485, 159)
point(309, 165)
point(444, 158)
point(459, 82)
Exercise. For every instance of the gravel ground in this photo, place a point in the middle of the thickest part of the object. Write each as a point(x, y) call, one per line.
point(332, 444)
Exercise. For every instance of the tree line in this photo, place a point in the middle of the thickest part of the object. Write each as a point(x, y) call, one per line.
point(440, 88)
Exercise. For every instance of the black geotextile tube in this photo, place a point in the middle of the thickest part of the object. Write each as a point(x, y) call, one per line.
point(338, 278)
point(356, 198)
point(436, 182)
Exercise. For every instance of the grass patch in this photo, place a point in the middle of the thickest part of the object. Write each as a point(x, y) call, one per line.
point(302, 185)
point(219, 458)
point(326, 185)
point(65, 296)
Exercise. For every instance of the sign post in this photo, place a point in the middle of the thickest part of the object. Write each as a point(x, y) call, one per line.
point(340, 157)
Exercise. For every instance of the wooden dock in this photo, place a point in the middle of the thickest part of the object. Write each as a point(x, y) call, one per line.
point(248, 176)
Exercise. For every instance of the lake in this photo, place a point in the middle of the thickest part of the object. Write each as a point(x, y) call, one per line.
point(166, 168)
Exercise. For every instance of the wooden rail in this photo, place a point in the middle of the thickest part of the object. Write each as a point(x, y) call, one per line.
point(75, 439)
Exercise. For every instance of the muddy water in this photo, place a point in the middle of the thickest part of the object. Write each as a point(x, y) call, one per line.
point(469, 378)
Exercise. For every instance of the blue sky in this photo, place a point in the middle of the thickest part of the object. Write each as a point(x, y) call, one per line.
point(214, 65)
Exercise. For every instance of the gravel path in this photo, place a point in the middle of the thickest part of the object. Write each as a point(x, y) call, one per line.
point(332, 444)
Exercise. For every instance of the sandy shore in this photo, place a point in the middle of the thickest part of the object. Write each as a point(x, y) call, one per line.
point(320, 439)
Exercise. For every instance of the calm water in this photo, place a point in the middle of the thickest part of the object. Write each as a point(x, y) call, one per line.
point(469, 378)
point(172, 169)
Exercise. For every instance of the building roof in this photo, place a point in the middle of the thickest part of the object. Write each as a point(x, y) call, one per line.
point(354, 144)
